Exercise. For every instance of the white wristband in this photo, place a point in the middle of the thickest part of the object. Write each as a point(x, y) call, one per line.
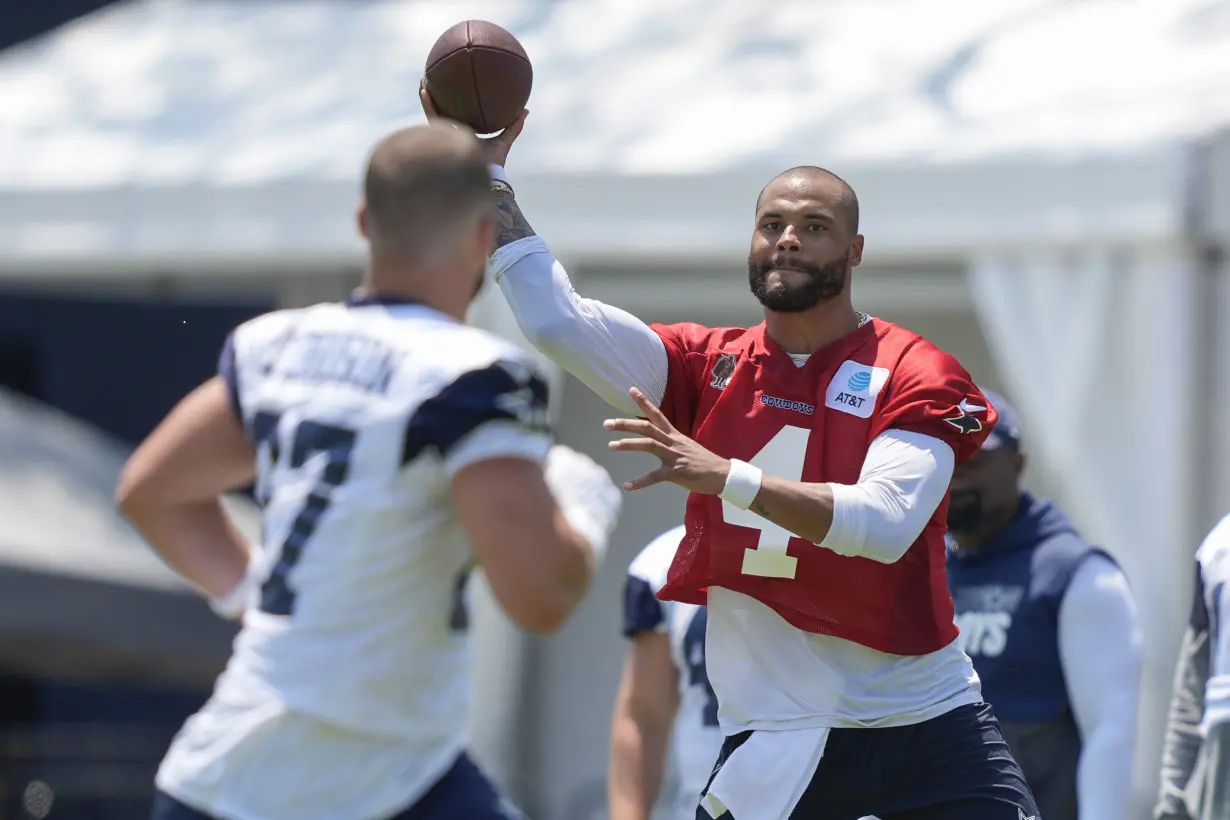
point(498, 173)
point(742, 484)
point(231, 605)
point(589, 529)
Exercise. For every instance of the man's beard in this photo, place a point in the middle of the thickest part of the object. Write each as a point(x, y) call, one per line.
point(966, 513)
point(823, 283)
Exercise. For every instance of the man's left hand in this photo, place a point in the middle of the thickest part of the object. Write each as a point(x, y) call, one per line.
point(684, 462)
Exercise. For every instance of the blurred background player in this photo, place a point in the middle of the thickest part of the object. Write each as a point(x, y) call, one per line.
point(664, 696)
point(392, 448)
point(815, 680)
point(1195, 782)
point(1052, 627)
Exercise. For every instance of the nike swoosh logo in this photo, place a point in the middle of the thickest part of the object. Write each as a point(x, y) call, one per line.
point(971, 408)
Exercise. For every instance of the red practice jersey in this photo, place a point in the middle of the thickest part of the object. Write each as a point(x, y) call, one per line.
point(741, 396)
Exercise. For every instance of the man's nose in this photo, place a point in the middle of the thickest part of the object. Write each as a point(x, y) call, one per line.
point(788, 241)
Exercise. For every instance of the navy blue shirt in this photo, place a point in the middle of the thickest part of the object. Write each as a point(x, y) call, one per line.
point(1007, 593)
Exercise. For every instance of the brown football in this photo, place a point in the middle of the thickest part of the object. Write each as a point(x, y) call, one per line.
point(477, 73)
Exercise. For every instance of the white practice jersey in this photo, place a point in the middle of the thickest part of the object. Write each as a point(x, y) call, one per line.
point(1213, 560)
point(348, 687)
point(696, 738)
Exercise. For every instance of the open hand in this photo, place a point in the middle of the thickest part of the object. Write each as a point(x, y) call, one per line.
point(684, 462)
point(497, 147)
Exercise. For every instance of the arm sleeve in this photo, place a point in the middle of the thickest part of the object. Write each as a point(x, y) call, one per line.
point(498, 411)
point(932, 394)
point(1181, 745)
point(607, 349)
point(1099, 647)
point(903, 481)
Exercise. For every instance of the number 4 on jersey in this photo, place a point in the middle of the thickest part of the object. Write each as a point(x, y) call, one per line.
point(783, 457)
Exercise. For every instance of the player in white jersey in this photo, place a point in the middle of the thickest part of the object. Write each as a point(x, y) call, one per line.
point(393, 448)
point(1195, 781)
point(664, 694)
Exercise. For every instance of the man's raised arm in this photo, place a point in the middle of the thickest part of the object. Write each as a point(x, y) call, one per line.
point(606, 348)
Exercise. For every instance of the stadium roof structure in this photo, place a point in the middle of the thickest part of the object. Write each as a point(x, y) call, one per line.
point(161, 134)
point(80, 592)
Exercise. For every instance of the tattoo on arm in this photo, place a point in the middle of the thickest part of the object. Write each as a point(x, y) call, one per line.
point(760, 511)
point(510, 224)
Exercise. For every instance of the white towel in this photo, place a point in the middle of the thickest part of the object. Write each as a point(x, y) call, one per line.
point(765, 777)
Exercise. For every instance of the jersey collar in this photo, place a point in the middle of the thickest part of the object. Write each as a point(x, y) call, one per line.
point(838, 349)
point(361, 298)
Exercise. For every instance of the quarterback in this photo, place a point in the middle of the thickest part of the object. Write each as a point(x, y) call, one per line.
point(818, 447)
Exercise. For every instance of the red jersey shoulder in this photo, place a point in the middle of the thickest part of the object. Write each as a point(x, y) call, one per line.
point(697, 356)
point(929, 392)
point(689, 337)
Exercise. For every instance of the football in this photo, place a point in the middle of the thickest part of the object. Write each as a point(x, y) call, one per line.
point(478, 74)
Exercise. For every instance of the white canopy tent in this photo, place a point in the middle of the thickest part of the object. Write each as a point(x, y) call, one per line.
point(164, 130)
point(1051, 150)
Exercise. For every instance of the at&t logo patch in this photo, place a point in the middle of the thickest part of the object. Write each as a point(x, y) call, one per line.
point(854, 388)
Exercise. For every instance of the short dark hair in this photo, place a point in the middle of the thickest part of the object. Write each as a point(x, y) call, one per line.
point(422, 184)
point(847, 200)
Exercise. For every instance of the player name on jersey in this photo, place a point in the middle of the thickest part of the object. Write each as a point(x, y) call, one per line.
point(345, 358)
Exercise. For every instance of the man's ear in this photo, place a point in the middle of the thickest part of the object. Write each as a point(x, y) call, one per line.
point(856, 251)
point(486, 234)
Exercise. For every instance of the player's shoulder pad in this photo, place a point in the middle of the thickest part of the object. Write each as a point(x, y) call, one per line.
point(654, 560)
point(930, 392)
point(463, 348)
point(250, 348)
point(921, 359)
point(916, 364)
point(483, 382)
point(265, 330)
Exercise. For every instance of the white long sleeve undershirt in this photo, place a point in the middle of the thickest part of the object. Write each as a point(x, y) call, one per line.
point(1100, 649)
point(904, 478)
point(904, 475)
point(607, 349)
